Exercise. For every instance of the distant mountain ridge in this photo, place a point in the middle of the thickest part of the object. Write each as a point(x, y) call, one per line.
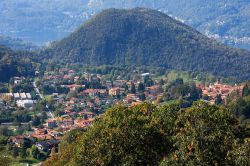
point(41, 21)
point(147, 37)
point(17, 44)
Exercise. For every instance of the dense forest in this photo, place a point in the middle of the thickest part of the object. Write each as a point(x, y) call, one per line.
point(14, 64)
point(157, 135)
point(151, 38)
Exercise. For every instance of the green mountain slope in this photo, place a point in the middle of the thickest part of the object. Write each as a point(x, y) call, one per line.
point(147, 37)
point(14, 64)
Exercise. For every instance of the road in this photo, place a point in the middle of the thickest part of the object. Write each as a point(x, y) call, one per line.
point(37, 90)
point(49, 113)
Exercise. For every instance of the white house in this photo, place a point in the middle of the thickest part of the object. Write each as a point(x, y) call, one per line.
point(25, 103)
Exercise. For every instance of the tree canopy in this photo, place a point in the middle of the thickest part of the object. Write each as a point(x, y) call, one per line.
point(157, 135)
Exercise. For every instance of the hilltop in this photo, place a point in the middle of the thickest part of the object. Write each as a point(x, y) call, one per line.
point(148, 37)
point(41, 21)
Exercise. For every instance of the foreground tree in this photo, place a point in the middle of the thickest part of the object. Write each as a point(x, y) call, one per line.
point(5, 161)
point(149, 135)
point(204, 136)
point(239, 155)
point(140, 135)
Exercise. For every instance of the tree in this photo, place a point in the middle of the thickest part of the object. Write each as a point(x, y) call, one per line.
point(53, 153)
point(4, 131)
point(34, 151)
point(246, 90)
point(3, 88)
point(15, 152)
point(148, 81)
point(240, 154)
point(195, 93)
point(36, 121)
point(141, 87)
point(218, 100)
point(142, 96)
point(71, 94)
point(161, 82)
point(126, 89)
point(204, 136)
point(123, 136)
point(241, 108)
point(5, 161)
point(133, 89)
point(146, 134)
point(23, 153)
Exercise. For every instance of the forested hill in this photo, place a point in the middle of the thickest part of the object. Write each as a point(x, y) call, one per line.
point(40, 21)
point(147, 37)
point(14, 64)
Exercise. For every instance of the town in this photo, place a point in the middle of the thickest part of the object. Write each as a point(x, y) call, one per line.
point(63, 100)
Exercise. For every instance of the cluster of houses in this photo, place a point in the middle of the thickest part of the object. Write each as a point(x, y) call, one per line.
point(112, 92)
point(43, 139)
point(224, 91)
point(22, 99)
point(89, 103)
point(69, 123)
point(81, 109)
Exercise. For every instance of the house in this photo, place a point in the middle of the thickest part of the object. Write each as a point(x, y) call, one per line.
point(17, 140)
point(98, 101)
point(16, 96)
point(21, 140)
point(114, 92)
point(90, 104)
point(145, 74)
point(68, 122)
point(73, 87)
point(28, 95)
point(130, 98)
point(87, 114)
point(76, 78)
point(95, 92)
point(43, 146)
point(65, 122)
point(37, 73)
point(71, 72)
point(18, 80)
point(52, 123)
point(84, 123)
point(25, 103)
point(136, 103)
point(154, 90)
point(56, 134)
point(119, 83)
point(88, 122)
point(23, 96)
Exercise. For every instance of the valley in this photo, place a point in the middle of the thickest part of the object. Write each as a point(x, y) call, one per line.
point(127, 87)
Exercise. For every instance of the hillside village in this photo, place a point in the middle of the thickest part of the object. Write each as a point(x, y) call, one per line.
point(130, 86)
point(74, 100)
point(222, 91)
